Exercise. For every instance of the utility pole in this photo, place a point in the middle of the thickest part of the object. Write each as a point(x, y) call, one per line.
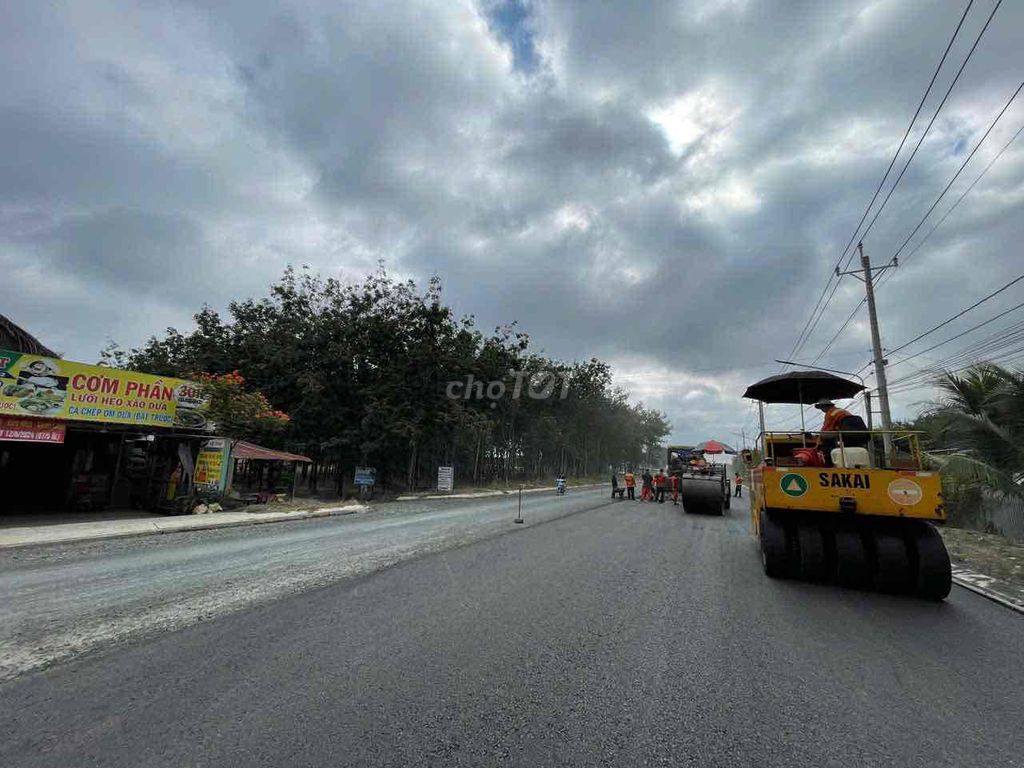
point(865, 275)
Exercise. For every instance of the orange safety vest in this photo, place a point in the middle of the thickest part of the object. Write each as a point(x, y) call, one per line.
point(629, 479)
point(832, 419)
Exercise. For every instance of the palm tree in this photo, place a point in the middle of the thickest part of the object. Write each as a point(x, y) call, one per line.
point(980, 420)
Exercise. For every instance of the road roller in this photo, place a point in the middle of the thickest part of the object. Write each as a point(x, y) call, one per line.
point(703, 487)
point(853, 507)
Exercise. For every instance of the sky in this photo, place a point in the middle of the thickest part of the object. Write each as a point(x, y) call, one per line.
point(663, 185)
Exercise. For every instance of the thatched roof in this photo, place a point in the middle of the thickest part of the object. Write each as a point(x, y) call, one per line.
point(14, 337)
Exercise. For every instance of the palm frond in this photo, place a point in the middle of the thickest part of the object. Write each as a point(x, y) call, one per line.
point(963, 469)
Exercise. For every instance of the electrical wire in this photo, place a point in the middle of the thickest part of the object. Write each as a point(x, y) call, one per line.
point(1006, 345)
point(931, 122)
point(959, 170)
point(963, 195)
point(808, 328)
point(924, 218)
point(959, 314)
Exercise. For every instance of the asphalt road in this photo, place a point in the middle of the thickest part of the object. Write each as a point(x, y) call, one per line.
point(599, 634)
point(65, 600)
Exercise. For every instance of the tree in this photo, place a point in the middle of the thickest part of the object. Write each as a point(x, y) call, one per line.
point(237, 412)
point(980, 423)
point(362, 370)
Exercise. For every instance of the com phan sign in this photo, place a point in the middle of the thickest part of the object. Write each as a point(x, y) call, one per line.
point(45, 387)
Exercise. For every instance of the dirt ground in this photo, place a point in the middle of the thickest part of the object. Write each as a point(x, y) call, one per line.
point(989, 554)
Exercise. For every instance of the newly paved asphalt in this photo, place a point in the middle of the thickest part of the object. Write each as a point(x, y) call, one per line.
point(599, 634)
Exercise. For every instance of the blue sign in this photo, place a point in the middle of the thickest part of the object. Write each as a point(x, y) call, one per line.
point(366, 476)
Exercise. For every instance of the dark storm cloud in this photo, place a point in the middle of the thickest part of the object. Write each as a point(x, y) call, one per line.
point(664, 185)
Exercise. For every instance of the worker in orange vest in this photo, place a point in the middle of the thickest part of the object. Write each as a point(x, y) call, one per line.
point(675, 488)
point(659, 486)
point(647, 491)
point(833, 416)
point(630, 480)
point(832, 423)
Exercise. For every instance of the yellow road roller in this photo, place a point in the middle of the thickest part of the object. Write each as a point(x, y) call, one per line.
point(855, 507)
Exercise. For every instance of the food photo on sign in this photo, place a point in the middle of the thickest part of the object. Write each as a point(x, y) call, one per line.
point(36, 387)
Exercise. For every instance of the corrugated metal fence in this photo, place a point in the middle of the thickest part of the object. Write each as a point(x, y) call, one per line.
point(976, 510)
point(1003, 516)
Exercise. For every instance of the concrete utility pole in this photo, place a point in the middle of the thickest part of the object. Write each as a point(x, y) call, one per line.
point(866, 276)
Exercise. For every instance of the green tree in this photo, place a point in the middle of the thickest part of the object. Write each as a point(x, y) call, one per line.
point(362, 370)
point(976, 430)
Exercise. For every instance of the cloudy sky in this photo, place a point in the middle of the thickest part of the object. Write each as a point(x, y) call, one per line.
point(664, 185)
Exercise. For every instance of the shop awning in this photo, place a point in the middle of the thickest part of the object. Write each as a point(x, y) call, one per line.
point(253, 452)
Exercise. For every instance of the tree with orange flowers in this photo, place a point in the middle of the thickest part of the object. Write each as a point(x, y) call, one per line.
point(237, 412)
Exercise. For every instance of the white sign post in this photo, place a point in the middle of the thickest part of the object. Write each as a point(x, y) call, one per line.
point(445, 479)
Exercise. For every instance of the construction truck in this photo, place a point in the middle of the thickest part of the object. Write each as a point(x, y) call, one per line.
point(703, 487)
point(857, 508)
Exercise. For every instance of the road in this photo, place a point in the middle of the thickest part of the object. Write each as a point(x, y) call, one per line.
point(596, 634)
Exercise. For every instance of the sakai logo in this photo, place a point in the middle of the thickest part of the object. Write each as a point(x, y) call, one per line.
point(793, 485)
point(843, 480)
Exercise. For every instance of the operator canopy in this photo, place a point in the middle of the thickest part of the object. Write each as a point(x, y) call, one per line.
point(802, 387)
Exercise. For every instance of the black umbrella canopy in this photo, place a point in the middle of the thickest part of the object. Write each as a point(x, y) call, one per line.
point(802, 387)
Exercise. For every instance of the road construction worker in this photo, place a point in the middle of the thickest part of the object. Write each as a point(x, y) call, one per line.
point(675, 488)
point(647, 492)
point(833, 415)
point(739, 486)
point(630, 480)
point(659, 486)
point(839, 420)
point(615, 484)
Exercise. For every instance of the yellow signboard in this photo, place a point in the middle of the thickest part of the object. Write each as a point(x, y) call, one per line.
point(210, 465)
point(46, 387)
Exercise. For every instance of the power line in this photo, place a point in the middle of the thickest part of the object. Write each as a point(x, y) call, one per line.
point(910, 159)
point(959, 314)
point(1002, 346)
point(921, 242)
point(931, 122)
point(923, 380)
point(906, 133)
point(942, 194)
point(838, 333)
point(960, 169)
point(958, 336)
point(963, 195)
point(808, 328)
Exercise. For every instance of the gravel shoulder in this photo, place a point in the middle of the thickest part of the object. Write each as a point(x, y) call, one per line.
point(996, 557)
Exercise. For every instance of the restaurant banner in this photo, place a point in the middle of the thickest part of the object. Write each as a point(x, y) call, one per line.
point(45, 387)
point(31, 430)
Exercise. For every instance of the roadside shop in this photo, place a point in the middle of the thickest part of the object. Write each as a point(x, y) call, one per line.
point(85, 437)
